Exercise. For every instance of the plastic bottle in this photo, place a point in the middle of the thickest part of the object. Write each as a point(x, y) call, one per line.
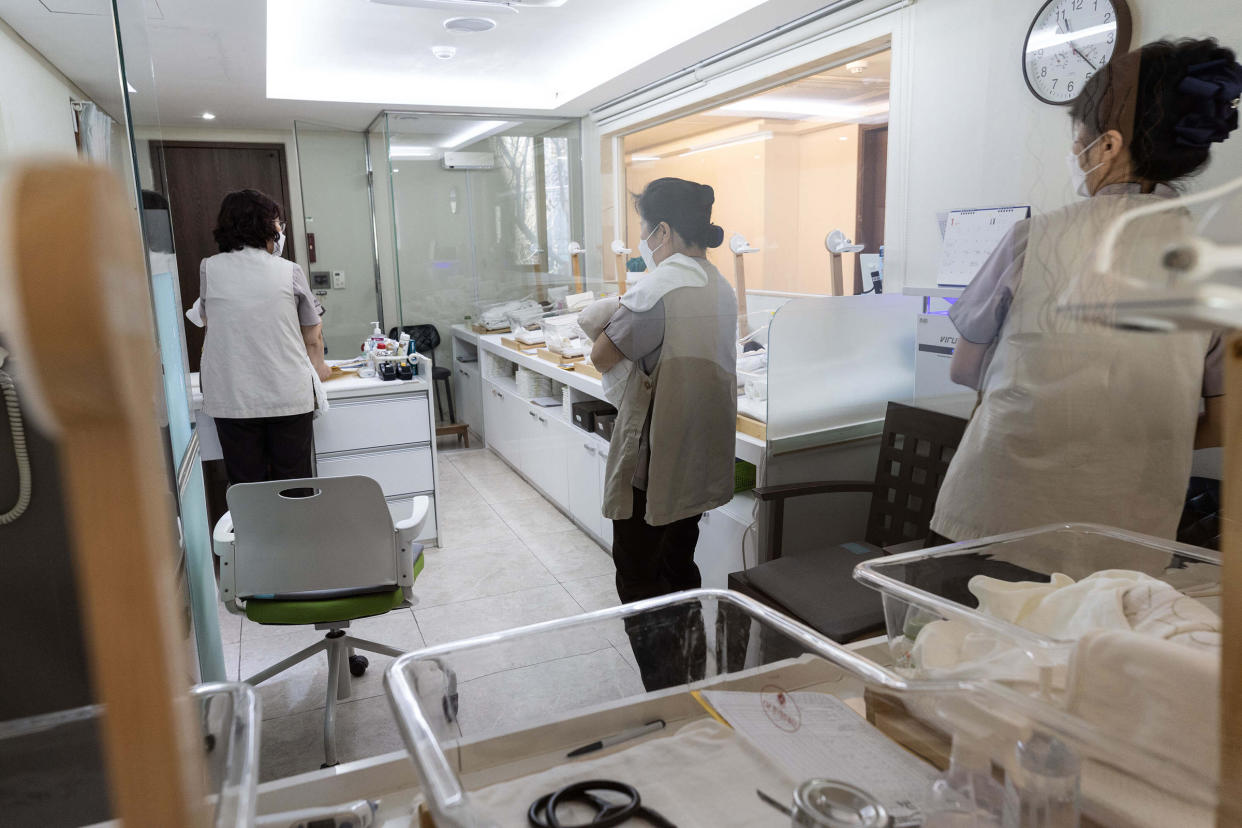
point(966, 795)
point(1042, 789)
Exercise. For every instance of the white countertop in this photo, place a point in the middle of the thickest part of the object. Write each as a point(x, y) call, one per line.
point(749, 448)
point(342, 388)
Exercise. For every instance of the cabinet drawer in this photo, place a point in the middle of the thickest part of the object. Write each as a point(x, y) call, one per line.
point(398, 471)
point(350, 425)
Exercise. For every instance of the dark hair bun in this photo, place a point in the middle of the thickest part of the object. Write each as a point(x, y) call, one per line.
point(1170, 100)
point(685, 205)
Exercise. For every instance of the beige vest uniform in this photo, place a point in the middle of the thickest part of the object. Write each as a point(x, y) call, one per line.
point(1077, 421)
point(254, 358)
point(694, 416)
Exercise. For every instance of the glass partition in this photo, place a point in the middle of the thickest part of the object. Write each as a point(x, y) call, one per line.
point(336, 203)
point(479, 212)
point(790, 165)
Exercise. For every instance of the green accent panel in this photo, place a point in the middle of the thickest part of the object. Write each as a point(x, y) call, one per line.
point(267, 611)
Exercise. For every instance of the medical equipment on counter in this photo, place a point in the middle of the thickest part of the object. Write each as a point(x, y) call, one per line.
point(358, 814)
point(8, 389)
point(838, 245)
point(823, 803)
point(495, 317)
point(752, 652)
point(740, 248)
point(966, 795)
point(543, 811)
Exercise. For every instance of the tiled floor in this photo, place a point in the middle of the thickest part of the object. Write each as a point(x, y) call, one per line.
point(506, 558)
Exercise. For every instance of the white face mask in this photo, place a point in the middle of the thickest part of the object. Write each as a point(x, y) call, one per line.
point(1078, 176)
point(647, 253)
point(279, 246)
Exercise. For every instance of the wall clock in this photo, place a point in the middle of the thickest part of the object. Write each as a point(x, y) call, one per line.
point(1069, 42)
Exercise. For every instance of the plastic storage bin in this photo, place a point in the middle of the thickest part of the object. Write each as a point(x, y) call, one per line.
point(563, 336)
point(490, 721)
point(52, 767)
point(930, 585)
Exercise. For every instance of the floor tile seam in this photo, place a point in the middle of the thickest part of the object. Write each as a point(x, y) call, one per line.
point(322, 706)
point(610, 646)
point(485, 597)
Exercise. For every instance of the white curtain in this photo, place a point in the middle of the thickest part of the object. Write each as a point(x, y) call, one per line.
point(96, 132)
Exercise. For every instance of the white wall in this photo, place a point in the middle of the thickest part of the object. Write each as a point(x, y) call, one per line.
point(977, 137)
point(35, 115)
point(337, 209)
point(965, 131)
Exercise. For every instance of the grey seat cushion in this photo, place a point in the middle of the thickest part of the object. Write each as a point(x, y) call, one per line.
point(818, 588)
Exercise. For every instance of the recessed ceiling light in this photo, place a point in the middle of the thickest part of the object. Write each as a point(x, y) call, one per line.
point(469, 25)
point(207, 116)
point(444, 52)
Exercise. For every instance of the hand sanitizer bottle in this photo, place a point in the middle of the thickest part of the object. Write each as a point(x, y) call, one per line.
point(966, 795)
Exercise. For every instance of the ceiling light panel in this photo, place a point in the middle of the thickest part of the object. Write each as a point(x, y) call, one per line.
point(541, 58)
point(793, 108)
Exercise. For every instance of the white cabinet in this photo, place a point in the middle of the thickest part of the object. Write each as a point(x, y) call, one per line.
point(468, 393)
point(543, 452)
point(399, 471)
point(501, 411)
point(586, 481)
point(352, 425)
point(719, 550)
point(605, 525)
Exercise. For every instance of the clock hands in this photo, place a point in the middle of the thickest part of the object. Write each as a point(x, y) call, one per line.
point(1094, 68)
point(1062, 16)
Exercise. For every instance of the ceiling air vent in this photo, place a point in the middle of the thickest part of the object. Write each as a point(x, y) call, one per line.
point(469, 25)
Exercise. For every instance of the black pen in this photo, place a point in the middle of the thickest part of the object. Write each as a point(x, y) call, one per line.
point(625, 735)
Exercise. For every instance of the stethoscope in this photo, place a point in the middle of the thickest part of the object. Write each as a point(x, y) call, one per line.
point(542, 813)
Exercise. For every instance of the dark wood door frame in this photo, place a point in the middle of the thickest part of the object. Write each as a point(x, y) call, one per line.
point(872, 169)
point(159, 173)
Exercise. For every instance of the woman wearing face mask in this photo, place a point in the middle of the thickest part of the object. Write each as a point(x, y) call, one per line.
point(1076, 421)
point(671, 457)
point(263, 346)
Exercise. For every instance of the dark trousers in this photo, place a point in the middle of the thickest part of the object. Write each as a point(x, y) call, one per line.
point(655, 560)
point(267, 448)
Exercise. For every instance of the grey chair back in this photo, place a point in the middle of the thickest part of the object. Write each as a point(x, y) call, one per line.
point(339, 537)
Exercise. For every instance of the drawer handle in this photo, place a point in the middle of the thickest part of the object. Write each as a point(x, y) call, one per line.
point(543, 420)
point(590, 448)
point(533, 414)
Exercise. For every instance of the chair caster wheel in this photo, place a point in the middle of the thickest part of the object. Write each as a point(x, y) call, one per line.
point(449, 703)
point(357, 665)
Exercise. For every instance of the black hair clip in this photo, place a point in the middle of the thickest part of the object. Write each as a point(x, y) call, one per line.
point(1217, 86)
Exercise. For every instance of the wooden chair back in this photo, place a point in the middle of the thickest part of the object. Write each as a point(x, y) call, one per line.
point(77, 289)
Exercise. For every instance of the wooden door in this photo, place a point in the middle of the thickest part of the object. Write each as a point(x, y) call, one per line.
point(872, 184)
point(199, 174)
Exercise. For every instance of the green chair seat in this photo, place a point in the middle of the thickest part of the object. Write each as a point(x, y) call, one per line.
point(273, 611)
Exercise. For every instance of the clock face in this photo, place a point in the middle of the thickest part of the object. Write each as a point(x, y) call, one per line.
point(1069, 42)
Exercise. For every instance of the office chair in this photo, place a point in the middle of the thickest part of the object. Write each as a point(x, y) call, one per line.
point(327, 558)
point(426, 339)
point(817, 587)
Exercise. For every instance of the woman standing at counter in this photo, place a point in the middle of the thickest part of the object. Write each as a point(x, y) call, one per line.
point(671, 456)
point(1078, 422)
point(264, 344)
